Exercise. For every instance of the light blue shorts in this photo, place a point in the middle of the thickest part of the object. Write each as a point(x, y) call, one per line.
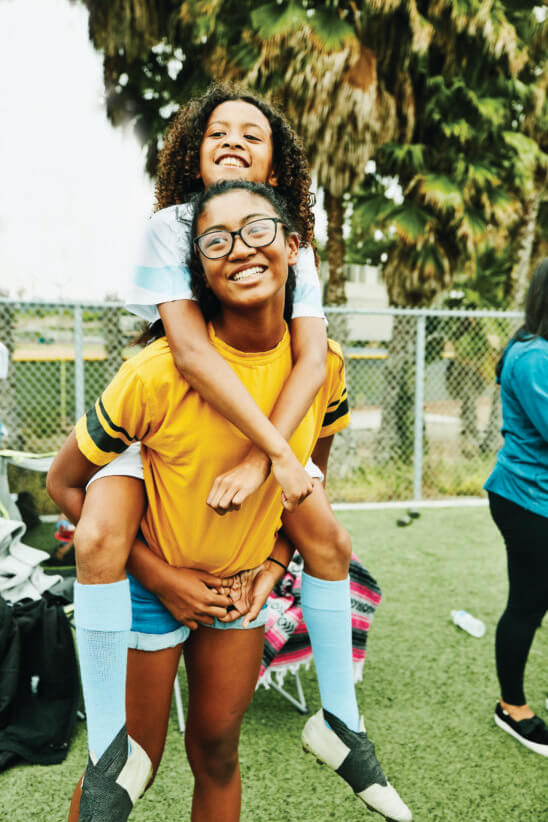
point(154, 628)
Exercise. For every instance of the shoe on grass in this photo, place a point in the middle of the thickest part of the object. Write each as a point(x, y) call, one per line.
point(351, 754)
point(112, 784)
point(532, 732)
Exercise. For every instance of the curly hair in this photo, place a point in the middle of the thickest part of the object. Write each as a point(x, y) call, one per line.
point(207, 300)
point(179, 159)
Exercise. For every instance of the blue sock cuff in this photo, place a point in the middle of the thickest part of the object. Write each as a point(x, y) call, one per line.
point(325, 594)
point(103, 607)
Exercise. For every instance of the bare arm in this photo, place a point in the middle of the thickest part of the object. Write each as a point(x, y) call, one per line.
point(191, 595)
point(309, 345)
point(67, 478)
point(212, 377)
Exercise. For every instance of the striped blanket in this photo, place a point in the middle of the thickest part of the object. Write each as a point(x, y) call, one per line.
point(287, 644)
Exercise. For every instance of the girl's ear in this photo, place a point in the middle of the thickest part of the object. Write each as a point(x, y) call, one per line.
point(292, 248)
point(272, 179)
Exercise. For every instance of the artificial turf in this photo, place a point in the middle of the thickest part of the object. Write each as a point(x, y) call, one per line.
point(428, 696)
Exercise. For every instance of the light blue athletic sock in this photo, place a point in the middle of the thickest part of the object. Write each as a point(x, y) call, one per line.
point(102, 614)
point(326, 611)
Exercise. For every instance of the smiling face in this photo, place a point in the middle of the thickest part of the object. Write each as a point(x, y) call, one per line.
point(247, 277)
point(237, 145)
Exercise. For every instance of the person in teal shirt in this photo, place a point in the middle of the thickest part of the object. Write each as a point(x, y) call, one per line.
point(518, 499)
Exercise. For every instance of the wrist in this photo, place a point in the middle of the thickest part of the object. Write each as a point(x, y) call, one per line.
point(281, 453)
point(255, 455)
point(276, 568)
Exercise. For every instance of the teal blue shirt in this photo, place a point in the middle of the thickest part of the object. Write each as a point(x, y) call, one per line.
point(521, 470)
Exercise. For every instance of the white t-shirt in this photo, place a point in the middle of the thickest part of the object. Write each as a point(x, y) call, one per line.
point(161, 274)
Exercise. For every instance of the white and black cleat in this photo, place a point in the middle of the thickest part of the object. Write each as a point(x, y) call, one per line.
point(351, 754)
point(113, 783)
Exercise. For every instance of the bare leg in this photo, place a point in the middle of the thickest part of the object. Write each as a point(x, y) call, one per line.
point(112, 512)
point(150, 677)
point(219, 694)
point(319, 537)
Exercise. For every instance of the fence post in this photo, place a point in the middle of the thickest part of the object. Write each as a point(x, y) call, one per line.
point(79, 403)
point(419, 407)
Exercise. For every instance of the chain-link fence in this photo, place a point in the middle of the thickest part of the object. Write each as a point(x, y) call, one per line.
point(425, 407)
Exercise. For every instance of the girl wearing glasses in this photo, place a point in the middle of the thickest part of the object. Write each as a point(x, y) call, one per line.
point(243, 249)
point(226, 134)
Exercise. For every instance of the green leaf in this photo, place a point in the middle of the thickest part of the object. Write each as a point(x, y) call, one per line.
point(271, 20)
point(407, 157)
point(440, 191)
point(409, 221)
point(526, 148)
point(372, 210)
point(330, 28)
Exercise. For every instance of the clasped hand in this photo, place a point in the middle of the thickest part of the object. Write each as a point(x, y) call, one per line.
point(193, 596)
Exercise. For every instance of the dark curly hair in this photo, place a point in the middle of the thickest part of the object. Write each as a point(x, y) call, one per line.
point(179, 159)
point(207, 300)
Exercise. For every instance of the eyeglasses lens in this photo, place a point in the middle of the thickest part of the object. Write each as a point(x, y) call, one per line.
point(255, 234)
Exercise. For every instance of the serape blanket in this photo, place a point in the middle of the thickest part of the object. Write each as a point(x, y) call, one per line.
point(287, 644)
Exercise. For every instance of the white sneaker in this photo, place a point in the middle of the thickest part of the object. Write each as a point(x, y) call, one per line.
point(352, 755)
point(113, 783)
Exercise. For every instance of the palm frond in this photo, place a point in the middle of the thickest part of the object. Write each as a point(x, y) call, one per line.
point(439, 191)
point(410, 222)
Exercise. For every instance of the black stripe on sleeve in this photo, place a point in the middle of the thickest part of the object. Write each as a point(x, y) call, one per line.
point(101, 439)
point(335, 403)
point(339, 412)
point(112, 425)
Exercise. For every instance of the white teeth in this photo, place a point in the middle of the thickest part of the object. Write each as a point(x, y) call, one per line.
point(248, 272)
point(232, 162)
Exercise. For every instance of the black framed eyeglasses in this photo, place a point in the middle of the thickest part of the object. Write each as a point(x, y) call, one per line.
point(255, 234)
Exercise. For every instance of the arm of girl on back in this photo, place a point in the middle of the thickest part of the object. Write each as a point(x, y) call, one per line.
point(209, 374)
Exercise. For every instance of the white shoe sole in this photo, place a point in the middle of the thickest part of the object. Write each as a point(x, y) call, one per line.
point(533, 746)
point(308, 750)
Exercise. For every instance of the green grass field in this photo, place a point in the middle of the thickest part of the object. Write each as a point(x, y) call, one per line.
point(428, 696)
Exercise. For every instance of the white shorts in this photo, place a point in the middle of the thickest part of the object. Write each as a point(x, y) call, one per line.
point(129, 464)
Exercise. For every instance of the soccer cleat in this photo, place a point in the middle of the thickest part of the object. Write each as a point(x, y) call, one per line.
point(532, 732)
point(351, 754)
point(112, 784)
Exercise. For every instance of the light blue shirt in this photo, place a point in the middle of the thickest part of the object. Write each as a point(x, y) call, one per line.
point(521, 470)
point(161, 274)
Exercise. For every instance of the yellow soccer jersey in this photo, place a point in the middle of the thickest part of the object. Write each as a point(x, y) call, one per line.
point(186, 444)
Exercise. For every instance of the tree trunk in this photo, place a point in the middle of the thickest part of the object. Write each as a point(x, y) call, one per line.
point(524, 243)
point(334, 208)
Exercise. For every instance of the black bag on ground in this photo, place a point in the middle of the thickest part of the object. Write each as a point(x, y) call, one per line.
point(27, 508)
point(39, 683)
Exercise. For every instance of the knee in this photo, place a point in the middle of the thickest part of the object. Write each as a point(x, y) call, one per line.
point(335, 545)
point(328, 551)
point(342, 544)
point(213, 755)
point(100, 550)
